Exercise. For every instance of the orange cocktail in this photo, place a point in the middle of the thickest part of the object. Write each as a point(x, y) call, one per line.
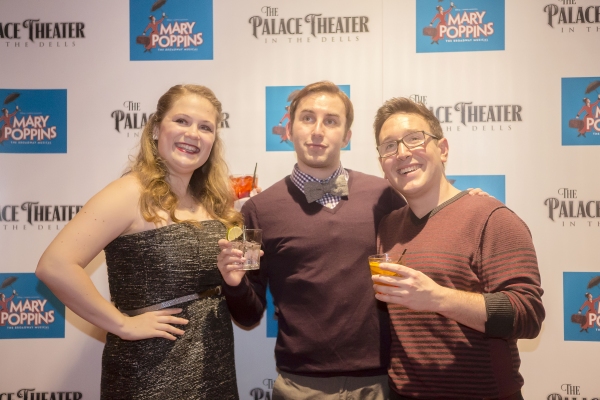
point(243, 185)
point(377, 259)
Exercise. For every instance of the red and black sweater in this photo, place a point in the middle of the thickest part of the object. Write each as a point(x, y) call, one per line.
point(473, 244)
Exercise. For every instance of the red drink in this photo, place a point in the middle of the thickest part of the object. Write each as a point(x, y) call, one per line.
point(242, 185)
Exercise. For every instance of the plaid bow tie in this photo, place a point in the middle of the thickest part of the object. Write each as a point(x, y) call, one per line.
point(315, 190)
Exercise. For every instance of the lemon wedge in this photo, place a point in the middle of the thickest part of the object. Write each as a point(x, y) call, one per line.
point(234, 232)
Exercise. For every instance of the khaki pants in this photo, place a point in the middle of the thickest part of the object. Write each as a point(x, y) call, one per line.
point(296, 387)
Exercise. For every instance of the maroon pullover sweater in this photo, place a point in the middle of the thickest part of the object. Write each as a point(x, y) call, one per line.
point(316, 266)
point(473, 244)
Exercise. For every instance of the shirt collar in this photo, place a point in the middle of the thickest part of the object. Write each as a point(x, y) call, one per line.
point(300, 178)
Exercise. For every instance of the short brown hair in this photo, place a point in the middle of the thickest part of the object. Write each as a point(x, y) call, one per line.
point(402, 105)
point(323, 87)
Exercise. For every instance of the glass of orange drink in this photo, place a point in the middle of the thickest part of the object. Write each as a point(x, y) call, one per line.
point(377, 259)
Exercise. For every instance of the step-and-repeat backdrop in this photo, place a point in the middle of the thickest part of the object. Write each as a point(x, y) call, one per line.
point(515, 85)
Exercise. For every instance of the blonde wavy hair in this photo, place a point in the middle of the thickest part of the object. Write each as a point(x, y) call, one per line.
point(209, 185)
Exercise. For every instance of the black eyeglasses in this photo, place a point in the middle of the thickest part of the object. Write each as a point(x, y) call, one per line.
point(410, 141)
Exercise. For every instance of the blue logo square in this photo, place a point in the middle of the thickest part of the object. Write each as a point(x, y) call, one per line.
point(495, 185)
point(467, 25)
point(581, 294)
point(272, 326)
point(33, 121)
point(580, 111)
point(170, 30)
point(28, 309)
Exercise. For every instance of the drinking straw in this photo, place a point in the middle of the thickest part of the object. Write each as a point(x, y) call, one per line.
point(401, 255)
point(254, 176)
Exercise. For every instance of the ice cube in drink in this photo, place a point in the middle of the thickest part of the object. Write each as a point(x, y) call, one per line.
point(252, 255)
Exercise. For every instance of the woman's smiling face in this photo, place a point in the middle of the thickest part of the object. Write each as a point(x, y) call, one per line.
point(186, 134)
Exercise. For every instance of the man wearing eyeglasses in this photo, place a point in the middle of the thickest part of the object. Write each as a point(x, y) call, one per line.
point(469, 286)
point(319, 227)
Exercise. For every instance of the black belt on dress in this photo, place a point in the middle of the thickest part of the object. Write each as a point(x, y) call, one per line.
point(216, 291)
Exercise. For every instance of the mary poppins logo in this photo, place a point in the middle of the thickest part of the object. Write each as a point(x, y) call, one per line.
point(581, 301)
point(171, 30)
point(28, 309)
point(33, 121)
point(580, 111)
point(467, 25)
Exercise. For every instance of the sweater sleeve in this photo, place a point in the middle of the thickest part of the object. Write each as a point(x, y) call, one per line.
point(509, 272)
point(247, 301)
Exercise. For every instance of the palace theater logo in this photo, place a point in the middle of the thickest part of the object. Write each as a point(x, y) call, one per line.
point(569, 16)
point(130, 119)
point(580, 111)
point(278, 100)
point(569, 391)
point(170, 30)
point(33, 121)
point(581, 301)
point(39, 33)
point(471, 116)
point(28, 309)
point(31, 215)
point(264, 391)
point(569, 210)
point(31, 394)
point(271, 26)
point(464, 25)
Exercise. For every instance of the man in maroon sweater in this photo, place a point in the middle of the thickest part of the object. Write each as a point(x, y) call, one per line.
point(469, 286)
point(333, 338)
